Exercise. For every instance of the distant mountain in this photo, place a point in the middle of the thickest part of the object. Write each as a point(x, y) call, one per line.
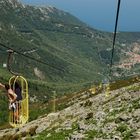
point(73, 51)
point(76, 55)
point(52, 36)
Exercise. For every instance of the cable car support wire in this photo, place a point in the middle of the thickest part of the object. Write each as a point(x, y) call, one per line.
point(114, 37)
point(29, 57)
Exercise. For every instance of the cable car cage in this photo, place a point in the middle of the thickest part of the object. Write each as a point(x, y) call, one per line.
point(19, 116)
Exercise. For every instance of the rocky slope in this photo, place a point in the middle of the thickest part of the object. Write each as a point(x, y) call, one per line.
point(88, 117)
point(82, 53)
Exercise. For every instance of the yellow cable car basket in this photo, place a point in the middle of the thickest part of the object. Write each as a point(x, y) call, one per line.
point(20, 114)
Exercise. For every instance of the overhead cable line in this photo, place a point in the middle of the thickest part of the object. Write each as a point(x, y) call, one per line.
point(29, 57)
point(114, 37)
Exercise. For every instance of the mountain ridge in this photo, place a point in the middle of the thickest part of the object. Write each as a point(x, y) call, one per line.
point(62, 41)
point(24, 29)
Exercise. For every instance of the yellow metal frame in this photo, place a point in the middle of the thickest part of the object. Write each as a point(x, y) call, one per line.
point(107, 92)
point(19, 117)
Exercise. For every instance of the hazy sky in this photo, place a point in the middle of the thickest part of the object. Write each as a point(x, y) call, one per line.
point(99, 14)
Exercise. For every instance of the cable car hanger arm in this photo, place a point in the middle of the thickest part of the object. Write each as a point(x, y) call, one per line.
point(9, 61)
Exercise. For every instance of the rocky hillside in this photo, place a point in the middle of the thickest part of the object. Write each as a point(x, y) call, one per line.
point(76, 55)
point(89, 116)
